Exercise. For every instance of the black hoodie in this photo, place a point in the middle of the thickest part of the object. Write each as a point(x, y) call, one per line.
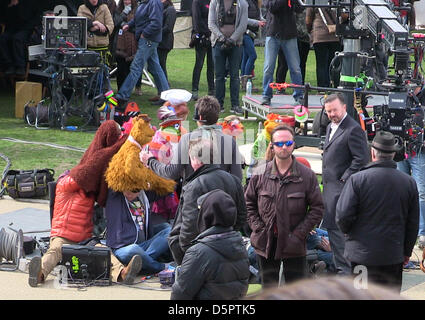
point(216, 266)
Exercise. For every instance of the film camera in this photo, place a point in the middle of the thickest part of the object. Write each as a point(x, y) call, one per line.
point(403, 116)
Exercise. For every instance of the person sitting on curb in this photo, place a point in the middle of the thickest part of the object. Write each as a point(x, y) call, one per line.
point(216, 266)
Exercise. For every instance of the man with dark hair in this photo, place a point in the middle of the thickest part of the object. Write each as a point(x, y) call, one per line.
point(207, 110)
point(206, 177)
point(284, 203)
point(345, 151)
point(381, 228)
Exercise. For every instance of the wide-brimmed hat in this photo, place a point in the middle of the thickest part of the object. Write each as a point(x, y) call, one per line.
point(386, 142)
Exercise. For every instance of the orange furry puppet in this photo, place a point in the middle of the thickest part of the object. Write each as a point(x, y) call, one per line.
point(126, 172)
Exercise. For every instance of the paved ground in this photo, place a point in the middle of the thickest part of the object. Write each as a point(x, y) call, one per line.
point(34, 216)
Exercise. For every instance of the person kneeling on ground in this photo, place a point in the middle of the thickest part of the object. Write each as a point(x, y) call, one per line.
point(75, 195)
point(216, 266)
point(133, 230)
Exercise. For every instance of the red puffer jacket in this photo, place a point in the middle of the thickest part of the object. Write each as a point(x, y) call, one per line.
point(73, 212)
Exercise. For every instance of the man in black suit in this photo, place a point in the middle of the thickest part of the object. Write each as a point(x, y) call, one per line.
point(345, 151)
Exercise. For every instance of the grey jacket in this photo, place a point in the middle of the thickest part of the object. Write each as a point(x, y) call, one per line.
point(229, 159)
point(240, 25)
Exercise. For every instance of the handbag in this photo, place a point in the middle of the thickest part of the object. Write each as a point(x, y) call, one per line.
point(331, 27)
point(28, 183)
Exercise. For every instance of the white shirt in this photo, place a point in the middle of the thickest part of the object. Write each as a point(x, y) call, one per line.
point(334, 127)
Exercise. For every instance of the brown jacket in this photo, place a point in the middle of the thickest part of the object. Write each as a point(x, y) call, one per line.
point(125, 41)
point(102, 15)
point(319, 30)
point(293, 204)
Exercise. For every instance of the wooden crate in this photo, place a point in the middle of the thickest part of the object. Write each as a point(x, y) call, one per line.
point(26, 91)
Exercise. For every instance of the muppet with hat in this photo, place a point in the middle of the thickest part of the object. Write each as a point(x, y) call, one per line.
point(165, 141)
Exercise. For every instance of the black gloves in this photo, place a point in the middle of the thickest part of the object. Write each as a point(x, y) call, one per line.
point(228, 44)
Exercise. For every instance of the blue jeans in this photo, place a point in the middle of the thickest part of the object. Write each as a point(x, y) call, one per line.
point(290, 50)
point(150, 250)
point(220, 56)
point(249, 55)
point(146, 54)
point(416, 168)
point(313, 240)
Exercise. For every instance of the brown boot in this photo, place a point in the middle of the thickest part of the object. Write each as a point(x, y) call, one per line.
point(34, 270)
point(133, 268)
point(154, 99)
point(244, 80)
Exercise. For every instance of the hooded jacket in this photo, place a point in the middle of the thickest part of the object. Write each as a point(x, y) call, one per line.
point(216, 266)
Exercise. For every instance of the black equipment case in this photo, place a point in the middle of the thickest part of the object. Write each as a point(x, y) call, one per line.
point(87, 264)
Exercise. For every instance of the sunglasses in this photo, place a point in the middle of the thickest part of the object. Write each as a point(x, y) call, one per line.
point(280, 144)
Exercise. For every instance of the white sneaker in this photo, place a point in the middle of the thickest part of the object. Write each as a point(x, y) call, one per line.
point(421, 242)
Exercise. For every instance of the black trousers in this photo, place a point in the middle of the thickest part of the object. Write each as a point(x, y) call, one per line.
point(325, 52)
point(197, 68)
point(282, 66)
point(390, 276)
point(293, 269)
point(13, 48)
point(123, 69)
point(162, 56)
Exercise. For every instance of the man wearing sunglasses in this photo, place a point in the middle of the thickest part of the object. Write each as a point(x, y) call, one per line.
point(284, 203)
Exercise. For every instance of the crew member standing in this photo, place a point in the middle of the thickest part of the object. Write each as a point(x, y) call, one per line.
point(379, 211)
point(284, 203)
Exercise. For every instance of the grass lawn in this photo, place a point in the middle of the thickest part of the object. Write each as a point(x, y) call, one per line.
point(28, 156)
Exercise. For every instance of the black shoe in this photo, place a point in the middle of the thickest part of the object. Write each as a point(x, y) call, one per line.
point(194, 95)
point(222, 110)
point(266, 101)
point(160, 102)
point(122, 104)
point(236, 109)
